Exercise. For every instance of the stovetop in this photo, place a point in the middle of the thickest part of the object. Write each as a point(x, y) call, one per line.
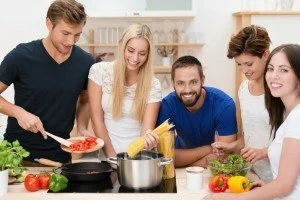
point(112, 185)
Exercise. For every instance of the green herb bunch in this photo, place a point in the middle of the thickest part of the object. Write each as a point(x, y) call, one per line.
point(11, 157)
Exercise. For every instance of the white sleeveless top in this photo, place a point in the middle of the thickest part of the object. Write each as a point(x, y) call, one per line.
point(127, 128)
point(256, 128)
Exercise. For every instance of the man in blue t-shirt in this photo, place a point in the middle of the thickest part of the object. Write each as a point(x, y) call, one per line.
point(49, 77)
point(201, 115)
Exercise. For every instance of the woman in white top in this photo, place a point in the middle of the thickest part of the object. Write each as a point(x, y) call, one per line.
point(124, 95)
point(282, 96)
point(250, 50)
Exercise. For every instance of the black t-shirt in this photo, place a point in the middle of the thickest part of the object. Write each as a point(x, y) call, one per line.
point(46, 89)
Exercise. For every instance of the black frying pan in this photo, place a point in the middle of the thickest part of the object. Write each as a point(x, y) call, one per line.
point(84, 171)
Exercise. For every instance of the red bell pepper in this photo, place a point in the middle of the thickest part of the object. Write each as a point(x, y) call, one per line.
point(218, 183)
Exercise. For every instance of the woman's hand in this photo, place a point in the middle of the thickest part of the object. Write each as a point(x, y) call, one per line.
point(252, 155)
point(151, 140)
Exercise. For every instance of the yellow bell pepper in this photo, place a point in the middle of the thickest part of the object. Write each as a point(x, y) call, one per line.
point(238, 184)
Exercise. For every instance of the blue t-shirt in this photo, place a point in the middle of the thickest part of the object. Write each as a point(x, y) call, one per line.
point(198, 128)
point(46, 89)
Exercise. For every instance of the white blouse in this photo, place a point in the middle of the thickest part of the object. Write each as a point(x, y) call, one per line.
point(256, 128)
point(127, 128)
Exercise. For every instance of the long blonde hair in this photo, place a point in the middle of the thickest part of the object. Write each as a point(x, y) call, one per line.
point(145, 74)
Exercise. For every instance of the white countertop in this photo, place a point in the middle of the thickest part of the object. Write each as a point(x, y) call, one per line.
point(18, 191)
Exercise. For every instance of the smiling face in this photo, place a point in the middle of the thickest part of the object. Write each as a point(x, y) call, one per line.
point(252, 66)
point(63, 36)
point(136, 53)
point(188, 86)
point(281, 78)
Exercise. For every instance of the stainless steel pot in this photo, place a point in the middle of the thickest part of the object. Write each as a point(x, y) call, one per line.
point(141, 172)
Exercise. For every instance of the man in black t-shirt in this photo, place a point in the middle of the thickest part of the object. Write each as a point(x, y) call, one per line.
point(49, 77)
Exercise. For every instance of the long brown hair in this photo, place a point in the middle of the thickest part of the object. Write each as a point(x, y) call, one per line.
point(145, 74)
point(275, 105)
point(253, 40)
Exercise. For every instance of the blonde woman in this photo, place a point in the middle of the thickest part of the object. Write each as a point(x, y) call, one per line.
point(124, 95)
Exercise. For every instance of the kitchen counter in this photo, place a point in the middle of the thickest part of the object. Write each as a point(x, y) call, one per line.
point(18, 191)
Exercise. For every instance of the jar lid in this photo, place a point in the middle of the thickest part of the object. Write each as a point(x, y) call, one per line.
point(195, 170)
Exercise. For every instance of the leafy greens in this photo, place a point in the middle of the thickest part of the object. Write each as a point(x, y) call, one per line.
point(233, 165)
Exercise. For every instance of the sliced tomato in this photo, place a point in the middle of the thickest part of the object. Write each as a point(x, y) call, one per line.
point(88, 143)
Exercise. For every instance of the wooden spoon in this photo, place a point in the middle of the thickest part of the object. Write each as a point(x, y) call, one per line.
point(60, 140)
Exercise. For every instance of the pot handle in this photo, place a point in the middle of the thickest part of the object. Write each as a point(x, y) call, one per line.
point(165, 161)
point(112, 160)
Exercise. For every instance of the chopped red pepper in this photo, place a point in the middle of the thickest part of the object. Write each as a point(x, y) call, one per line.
point(88, 143)
point(218, 183)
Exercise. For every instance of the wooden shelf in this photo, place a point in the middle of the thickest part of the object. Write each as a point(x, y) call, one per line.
point(266, 13)
point(92, 45)
point(162, 69)
point(159, 44)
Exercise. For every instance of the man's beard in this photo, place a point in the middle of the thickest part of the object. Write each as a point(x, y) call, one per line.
point(192, 102)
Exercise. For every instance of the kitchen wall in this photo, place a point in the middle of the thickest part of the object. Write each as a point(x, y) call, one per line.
point(23, 21)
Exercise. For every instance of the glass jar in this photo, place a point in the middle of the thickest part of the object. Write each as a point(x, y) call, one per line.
point(166, 147)
point(169, 37)
point(155, 37)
